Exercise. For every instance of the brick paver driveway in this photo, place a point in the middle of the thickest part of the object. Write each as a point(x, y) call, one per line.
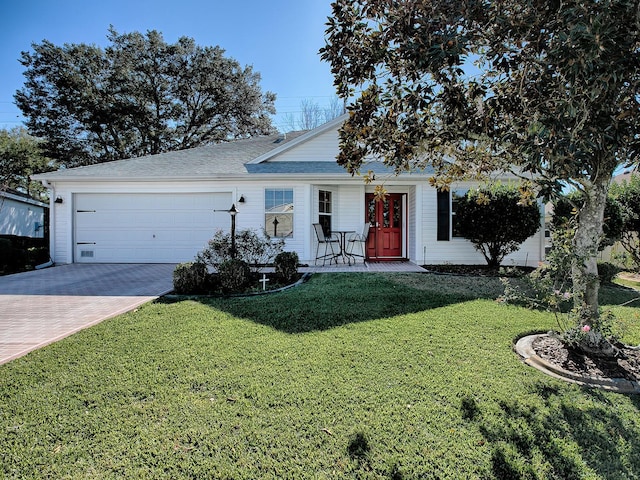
point(42, 306)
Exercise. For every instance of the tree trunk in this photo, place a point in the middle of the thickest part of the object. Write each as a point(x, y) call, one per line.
point(586, 283)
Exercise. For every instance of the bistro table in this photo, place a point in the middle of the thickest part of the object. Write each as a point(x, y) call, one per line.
point(343, 245)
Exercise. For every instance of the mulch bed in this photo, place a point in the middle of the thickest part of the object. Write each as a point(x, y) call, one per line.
point(626, 365)
point(476, 270)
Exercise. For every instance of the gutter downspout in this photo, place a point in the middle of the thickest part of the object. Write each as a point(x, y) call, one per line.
point(52, 223)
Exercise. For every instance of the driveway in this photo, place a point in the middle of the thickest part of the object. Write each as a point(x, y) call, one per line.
point(43, 306)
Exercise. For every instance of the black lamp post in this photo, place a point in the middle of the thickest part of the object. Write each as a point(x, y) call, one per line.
point(233, 212)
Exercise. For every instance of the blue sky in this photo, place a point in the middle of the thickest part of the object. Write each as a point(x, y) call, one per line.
point(280, 38)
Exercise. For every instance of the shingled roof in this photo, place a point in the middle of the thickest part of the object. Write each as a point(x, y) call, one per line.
point(228, 158)
point(240, 158)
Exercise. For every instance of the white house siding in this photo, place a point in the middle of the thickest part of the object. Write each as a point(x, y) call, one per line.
point(324, 147)
point(21, 218)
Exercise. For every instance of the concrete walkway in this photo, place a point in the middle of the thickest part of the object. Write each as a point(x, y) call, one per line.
point(43, 306)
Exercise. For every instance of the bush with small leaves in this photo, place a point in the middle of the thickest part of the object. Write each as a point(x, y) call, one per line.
point(234, 275)
point(11, 258)
point(190, 278)
point(607, 272)
point(286, 265)
point(497, 221)
point(256, 250)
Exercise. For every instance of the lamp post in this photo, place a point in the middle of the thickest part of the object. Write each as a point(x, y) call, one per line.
point(233, 212)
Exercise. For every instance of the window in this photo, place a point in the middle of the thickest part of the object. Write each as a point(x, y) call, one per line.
point(278, 218)
point(324, 211)
point(447, 204)
point(456, 195)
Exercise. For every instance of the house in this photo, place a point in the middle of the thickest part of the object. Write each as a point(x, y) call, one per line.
point(21, 215)
point(164, 208)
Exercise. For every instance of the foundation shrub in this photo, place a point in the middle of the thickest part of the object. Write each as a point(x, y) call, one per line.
point(286, 265)
point(190, 278)
point(234, 275)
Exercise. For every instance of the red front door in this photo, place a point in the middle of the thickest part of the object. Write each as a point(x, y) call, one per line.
point(385, 231)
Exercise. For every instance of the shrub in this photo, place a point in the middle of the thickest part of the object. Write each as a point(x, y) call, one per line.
point(256, 250)
point(628, 196)
point(190, 278)
point(38, 255)
point(234, 275)
point(607, 272)
point(286, 264)
point(8, 259)
point(496, 221)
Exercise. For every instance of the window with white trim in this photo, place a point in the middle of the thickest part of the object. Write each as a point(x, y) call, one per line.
point(278, 215)
point(447, 205)
point(325, 210)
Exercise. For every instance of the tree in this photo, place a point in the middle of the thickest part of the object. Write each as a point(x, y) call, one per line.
point(628, 196)
point(20, 157)
point(312, 115)
point(556, 98)
point(496, 222)
point(138, 96)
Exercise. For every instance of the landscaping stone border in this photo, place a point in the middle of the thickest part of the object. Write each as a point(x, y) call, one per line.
point(524, 348)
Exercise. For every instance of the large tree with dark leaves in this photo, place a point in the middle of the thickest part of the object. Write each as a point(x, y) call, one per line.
point(554, 94)
point(138, 96)
point(21, 157)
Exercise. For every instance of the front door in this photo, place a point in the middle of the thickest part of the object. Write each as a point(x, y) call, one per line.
point(385, 231)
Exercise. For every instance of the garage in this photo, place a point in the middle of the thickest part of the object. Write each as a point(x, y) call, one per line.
point(146, 227)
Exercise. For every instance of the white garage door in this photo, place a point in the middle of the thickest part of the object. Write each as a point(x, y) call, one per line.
point(146, 228)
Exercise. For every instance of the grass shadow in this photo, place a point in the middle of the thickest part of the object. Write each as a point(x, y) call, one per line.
point(527, 432)
point(331, 300)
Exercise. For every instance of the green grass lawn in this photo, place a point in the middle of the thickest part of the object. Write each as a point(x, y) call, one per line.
point(397, 376)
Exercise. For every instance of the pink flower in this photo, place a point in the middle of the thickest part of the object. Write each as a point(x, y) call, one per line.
point(586, 328)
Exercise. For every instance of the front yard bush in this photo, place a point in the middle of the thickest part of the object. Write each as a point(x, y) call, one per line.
point(234, 275)
point(496, 221)
point(607, 272)
point(286, 264)
point(190, 278)
point(254, 249)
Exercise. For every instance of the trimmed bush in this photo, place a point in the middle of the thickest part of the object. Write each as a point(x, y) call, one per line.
point(6, 254)
point(607, 272)
point(190, 278)
point(37, 255)
point(286, 264)
point(234, 275)
point(496, 221)
point(254, 249)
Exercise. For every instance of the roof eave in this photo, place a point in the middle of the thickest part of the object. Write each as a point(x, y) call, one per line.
point(311, 177)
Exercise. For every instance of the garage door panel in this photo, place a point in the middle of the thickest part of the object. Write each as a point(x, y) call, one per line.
point(146, 228)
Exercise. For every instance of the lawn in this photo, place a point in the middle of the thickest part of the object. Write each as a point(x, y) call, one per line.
point(397, 376)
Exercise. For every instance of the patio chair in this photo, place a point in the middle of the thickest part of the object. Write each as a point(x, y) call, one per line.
point(359, 238)
point(328, 241)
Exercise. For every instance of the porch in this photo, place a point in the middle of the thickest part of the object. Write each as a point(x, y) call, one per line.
point(367, 267)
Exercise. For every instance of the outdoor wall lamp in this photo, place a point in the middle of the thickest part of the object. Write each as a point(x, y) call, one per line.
point(241, 200)
point(58, 200)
